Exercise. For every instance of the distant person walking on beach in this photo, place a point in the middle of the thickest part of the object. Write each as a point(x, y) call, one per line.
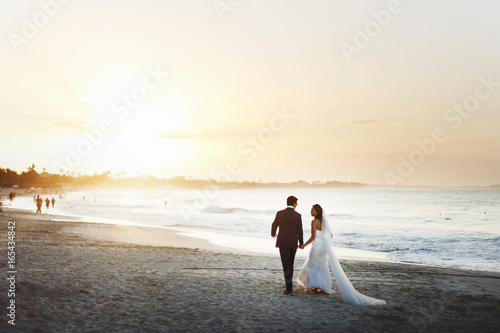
point(39, 203)
point(290, 236)
point(47, 203)
point(53, 202)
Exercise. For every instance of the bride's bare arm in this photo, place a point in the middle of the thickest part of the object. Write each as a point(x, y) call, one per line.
point(313, 234)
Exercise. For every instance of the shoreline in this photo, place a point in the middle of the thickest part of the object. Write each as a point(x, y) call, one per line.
point(189, 238)
point(223, 239)
point(209, 238)
point(68, 280)
point(206, 239)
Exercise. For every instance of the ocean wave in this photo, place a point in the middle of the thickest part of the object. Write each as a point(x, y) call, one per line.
point(408, 228)
point(340, 216)
point(232, 210)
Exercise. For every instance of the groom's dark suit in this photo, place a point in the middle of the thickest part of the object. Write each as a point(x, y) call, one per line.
point(290, 224)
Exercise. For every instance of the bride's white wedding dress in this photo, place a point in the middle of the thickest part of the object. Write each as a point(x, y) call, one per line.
point(316, 274)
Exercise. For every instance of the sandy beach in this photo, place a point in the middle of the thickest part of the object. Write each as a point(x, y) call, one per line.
point(71, 281)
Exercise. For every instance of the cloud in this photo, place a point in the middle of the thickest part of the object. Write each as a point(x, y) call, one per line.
point(363, 122)
point(184, 135)
point(75, 126)
point(473, 141)
point(69, 124)
point(92, 100)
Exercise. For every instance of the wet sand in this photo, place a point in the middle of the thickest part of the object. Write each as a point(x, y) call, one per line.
point(86, 277)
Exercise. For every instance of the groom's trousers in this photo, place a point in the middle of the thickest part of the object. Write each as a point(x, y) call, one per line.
point(287, 258)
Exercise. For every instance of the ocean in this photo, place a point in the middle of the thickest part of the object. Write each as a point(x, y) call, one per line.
point(457, 228)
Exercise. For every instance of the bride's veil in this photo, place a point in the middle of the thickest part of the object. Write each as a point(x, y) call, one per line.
point(347, 291)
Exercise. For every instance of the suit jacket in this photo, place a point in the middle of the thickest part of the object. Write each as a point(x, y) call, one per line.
point(290, 224)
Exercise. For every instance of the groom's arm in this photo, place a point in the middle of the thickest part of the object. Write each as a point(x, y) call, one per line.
point(300, 232)
point(274, 226)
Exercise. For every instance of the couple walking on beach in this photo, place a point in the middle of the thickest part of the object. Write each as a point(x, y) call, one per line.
point(315, 274)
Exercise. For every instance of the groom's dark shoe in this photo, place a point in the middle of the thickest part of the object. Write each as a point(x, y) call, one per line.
point(288, 292)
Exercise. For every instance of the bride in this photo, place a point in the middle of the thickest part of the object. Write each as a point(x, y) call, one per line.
point(315, 274)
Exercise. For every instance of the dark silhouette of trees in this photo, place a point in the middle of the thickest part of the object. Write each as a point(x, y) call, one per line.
point(31, 178)
point(8, 177)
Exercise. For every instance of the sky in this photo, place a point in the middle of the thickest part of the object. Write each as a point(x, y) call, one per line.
point(379, 92)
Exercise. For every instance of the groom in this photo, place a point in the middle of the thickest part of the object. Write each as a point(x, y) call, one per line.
point(290, 224)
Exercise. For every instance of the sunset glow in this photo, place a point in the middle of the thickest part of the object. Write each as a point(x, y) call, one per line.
point(182, 88)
